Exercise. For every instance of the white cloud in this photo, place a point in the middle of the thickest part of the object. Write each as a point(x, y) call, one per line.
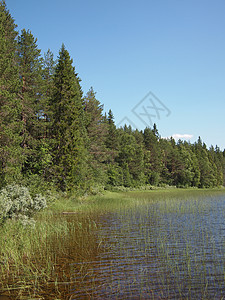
point(184, 136)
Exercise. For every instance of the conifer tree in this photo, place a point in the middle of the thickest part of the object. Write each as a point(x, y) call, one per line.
point(10, 125)
point(48, 129)
point(130, 156)
point(154, 155)
point(31, 92)
point(48, 77)
point(96, 130)
point(111, 140)
point(185, 171)
point(207, 169)
point(68, 126)
point(45, 118)
point(167, 148)
point(215, 159)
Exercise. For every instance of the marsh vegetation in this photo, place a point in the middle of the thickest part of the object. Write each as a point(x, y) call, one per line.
point(153, 245)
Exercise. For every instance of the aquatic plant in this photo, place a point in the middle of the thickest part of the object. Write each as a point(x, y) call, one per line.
point(160, 244)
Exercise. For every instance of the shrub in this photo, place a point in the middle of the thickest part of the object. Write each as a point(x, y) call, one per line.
point(16, 202)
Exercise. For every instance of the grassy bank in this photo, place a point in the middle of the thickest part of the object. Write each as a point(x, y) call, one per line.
point(35, 261)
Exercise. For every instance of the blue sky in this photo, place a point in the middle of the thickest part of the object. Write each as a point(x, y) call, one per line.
point(155, 61)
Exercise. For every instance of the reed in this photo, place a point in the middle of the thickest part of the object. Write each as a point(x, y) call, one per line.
point(152, 244)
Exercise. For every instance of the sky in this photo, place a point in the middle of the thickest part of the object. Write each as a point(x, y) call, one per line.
point(149, 61)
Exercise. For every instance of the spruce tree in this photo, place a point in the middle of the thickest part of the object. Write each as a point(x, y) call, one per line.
point(68, 126)
point(10, 125)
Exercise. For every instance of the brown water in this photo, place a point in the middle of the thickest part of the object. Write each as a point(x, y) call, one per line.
point(171, 249)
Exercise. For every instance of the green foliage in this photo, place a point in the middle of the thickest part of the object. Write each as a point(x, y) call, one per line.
point(207, 168)
point(68, 126)
point(10, 109)
point(127, 180)
point(154, 178)
point(112, 138)
point(96, 141)
point(16, 202)
point(114, 173)
point(50, 135)
point(155, 153)
point(130, 158)
point(31, 92)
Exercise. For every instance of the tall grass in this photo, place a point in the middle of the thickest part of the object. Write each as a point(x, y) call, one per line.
point(34, 261)
point(103, 246)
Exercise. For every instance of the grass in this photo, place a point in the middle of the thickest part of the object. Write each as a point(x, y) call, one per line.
point(65, 250)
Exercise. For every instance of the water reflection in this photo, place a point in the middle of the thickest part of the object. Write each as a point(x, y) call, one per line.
point(156, 250)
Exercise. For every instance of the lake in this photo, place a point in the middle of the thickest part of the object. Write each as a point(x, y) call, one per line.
point(161, 247)
point(167, 244)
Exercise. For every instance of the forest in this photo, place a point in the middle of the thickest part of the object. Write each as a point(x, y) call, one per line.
point(52, 135)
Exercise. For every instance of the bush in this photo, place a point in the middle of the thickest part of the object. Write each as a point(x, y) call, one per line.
point(16, 202)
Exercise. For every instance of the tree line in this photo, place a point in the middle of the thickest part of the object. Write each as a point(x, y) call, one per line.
point(50, 132)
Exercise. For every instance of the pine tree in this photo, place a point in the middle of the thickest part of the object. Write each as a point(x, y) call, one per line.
point(111, 140)
point(96, 130)
point(185, 172)
point(48, 77)
point(207, 169)
point(31, 92)
point(130, 157)
point(10, 125)
point(167, 147)
point(154, 155)
point(44, 158)
point(216, 160)
point(68, 126)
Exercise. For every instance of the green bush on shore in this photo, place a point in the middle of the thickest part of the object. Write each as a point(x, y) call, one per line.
point(17, 203)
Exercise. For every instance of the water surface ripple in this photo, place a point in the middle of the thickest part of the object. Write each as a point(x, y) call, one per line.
point(165, 249)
